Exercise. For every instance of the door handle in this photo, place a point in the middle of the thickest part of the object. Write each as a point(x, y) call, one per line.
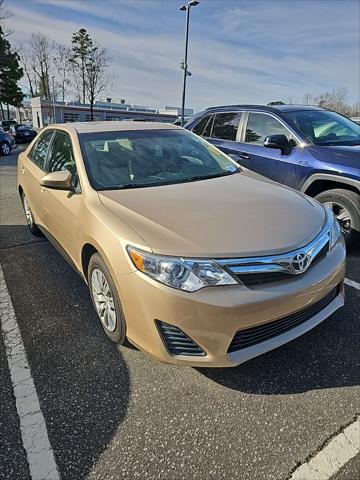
point(22, 170)
point(244, 156)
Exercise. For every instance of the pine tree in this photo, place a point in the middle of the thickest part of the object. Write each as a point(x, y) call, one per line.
point(10, 74)
point(82, 47)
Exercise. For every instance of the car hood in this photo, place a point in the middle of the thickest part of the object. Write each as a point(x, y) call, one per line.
point(343, 155)
point(237, 215)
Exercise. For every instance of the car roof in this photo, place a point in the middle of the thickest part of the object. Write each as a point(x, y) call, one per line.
point(115, 126)
point(265, 108)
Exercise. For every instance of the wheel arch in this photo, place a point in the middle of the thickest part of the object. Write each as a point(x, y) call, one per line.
point(89, 248)
point(321, 182)
point(87, 251)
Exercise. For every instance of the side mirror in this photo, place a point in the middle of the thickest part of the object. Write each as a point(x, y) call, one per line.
point(60, 180)
point(278, 141)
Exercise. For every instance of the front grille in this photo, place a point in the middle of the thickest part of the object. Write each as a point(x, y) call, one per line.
point(320, 255)
point(251, 336)
point(177, 342)
point(262, 278)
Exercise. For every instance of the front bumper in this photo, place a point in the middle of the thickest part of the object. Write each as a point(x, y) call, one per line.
point(212, 316)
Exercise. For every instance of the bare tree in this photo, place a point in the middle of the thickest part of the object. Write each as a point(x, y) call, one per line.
point(5, 13)
point(28, 62)
point(308, 99)
point(63, 68)
point(43, 49)
point(334, 100)
point(96, 77)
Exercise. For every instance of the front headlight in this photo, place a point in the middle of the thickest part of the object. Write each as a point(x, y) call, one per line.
point(335, 230)
point(181, 273)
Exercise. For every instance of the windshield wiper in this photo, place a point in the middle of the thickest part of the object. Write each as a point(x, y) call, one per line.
point(213, 175)
point(126, 186)
point(123, 186)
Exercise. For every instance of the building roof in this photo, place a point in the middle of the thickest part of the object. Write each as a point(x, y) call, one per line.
point(106, 126)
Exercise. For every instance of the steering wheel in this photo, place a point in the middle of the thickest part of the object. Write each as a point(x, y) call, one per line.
point(177, 162)
point(328, 138)
point(331, 136)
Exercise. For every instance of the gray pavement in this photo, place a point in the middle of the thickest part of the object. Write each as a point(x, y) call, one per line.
point(114, 413)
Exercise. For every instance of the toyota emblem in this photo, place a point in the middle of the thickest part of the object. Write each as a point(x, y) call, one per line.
point(299, 262)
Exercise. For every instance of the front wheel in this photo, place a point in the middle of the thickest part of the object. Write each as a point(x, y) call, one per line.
point(5, 148)
point(34, 229)
point(106, 300)
point(345, 205)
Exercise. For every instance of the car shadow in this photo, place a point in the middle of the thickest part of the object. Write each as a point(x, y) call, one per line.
point(326, 357)
point(81, 378)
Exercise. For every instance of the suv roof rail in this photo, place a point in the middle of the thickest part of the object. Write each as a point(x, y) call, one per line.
point(265, 107)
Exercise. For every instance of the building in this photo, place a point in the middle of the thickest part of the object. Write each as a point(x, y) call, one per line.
point(45, 112)
point(188, 112)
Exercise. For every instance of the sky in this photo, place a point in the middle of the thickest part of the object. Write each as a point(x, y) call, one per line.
point(240, 51)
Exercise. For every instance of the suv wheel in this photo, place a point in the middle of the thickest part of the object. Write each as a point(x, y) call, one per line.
point(346, 207)
point(106, 299)
point(5, 149)
point(34, 229)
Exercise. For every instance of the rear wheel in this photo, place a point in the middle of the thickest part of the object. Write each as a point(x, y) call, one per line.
point(5, 148)
point(106, 300)
point(34, 229)
point(345, 205)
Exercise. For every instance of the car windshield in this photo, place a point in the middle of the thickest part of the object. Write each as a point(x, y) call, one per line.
point(144, 158)
point(323, 127)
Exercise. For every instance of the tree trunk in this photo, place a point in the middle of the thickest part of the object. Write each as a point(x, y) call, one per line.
point(91, 109)
point(30, 85)
point(83, 80)
point(8, 111)
point(2, 111)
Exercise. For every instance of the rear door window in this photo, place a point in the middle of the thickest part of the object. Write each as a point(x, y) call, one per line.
point(39, 152)
point(203, 128)
point(226, 125)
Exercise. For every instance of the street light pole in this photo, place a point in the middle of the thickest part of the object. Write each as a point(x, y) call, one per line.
point(184, 64)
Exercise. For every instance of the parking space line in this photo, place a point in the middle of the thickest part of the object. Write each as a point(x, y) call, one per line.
point(333, 456)
point(32, 423)
point(352, 283)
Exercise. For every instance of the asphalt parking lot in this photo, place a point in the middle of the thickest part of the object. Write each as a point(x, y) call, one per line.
point(114, 413)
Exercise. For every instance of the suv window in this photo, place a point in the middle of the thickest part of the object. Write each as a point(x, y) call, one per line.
point(260, 125)
point(323, 127)
point(61, 156)
point(208, 128)
point(203, 128)
point(39, 152)
point(226, 125)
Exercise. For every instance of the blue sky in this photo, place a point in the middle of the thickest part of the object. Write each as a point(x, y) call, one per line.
point(240, 51)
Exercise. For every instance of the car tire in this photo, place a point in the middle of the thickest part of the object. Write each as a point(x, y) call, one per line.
point(105, 299)
point(345, 203)
point(5, 148)
point(34, 229)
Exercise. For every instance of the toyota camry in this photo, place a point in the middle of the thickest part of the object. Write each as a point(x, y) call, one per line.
point(192, 258)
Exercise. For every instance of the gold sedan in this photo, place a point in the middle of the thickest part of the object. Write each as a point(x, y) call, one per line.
point(193, 259)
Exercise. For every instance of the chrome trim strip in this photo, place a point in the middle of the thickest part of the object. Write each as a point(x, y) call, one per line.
point(279, 263)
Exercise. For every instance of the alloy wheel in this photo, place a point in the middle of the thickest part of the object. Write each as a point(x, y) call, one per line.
point(5, 148)
point(28, 214)
point(103, 300)
point(342, 215)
